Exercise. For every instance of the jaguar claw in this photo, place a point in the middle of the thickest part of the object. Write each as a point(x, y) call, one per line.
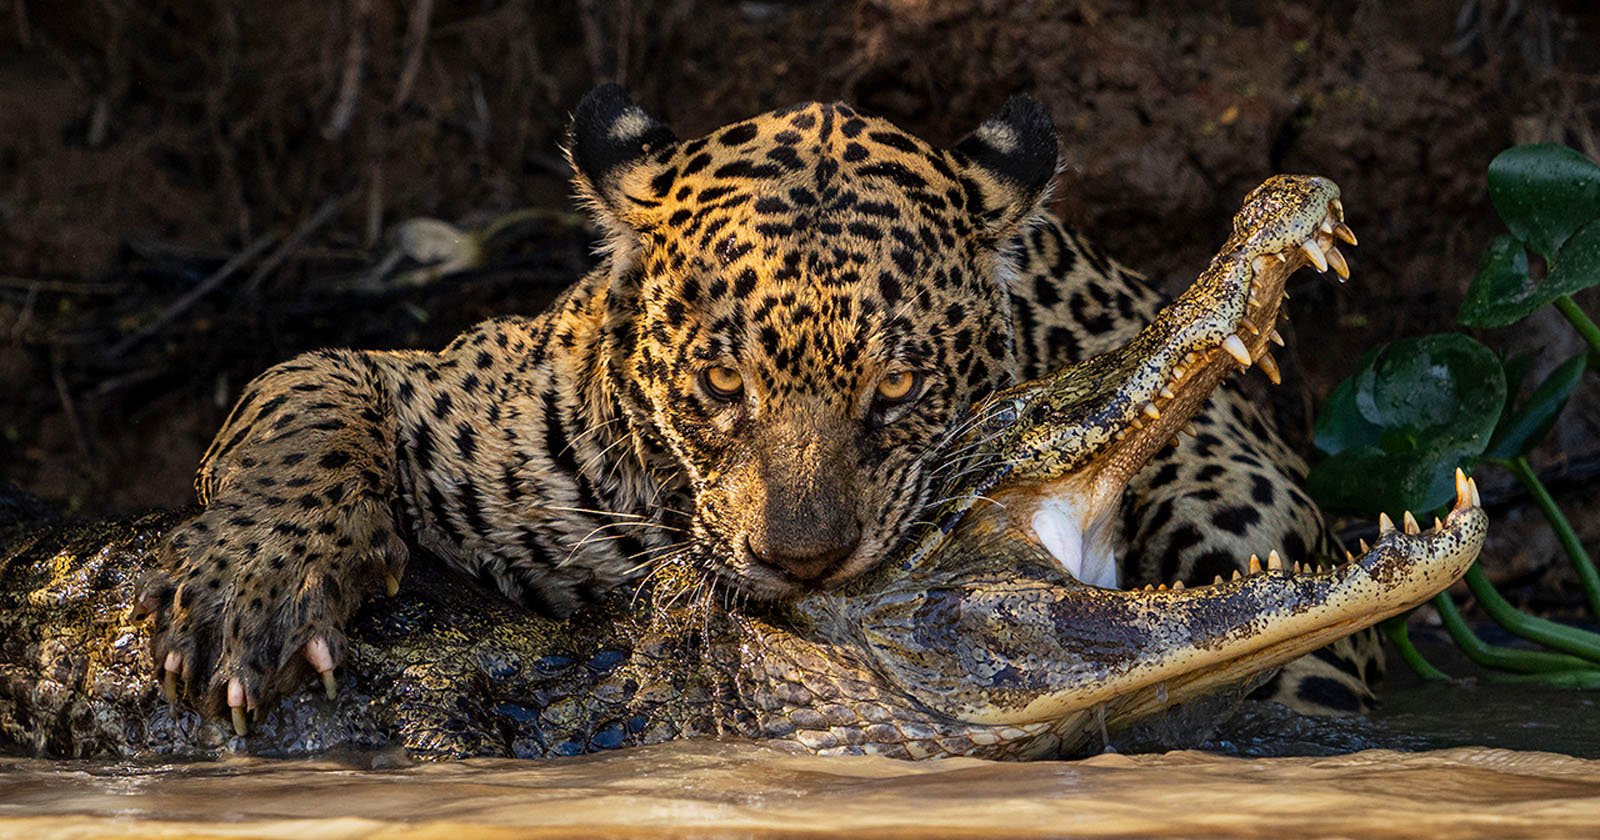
point(169, 677)
point(321, 658)
point(236, 701)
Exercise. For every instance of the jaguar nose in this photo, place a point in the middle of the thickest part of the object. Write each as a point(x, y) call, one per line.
point(808, 561)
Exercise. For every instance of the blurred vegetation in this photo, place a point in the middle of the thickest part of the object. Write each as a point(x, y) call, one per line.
point(1418, 410)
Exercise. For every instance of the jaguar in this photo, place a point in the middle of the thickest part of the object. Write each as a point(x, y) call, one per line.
point(790, 318)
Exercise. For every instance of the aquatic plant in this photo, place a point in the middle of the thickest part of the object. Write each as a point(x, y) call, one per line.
point(1416, 410)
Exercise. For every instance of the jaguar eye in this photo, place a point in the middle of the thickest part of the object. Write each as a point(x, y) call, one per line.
point(723, 382)
point(901, 386)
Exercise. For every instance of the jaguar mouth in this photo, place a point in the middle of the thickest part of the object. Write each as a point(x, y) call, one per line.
point(1088, 429)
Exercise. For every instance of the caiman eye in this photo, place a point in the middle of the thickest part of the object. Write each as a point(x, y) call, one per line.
point(723, 382)
point(899, 388)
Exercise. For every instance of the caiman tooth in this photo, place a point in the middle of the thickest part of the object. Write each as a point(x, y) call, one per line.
point(1178, 373)
point(1255, 301)
point(1463, 491)
point(1237, 350)
point(1236, 574)
point(1364, 547)
point(1296, 568)
point(1274, 337)
point(1437, 525)
point(1274, 562)
point(1327, 224)
point(1385, 524)
point(1344, 233)
point(1137, 423)
point(1255, 565)
point(1190, 430)
point(1166, 393)
point(1409, 522)
point(1177, 585)
point(1338, 209)
point(1314, 254)
point(1477, 501)
point(1151, 411)
point(1348, 558)
point(1269, 366)
point(1340, 267)
point(1218, 581)
point(1161, 588)
point(1254, 330)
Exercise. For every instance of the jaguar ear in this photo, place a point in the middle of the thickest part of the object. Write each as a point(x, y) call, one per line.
point(611, 144)
point(1013, 156)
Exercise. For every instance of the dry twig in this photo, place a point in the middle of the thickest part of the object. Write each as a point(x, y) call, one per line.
point(201, 289)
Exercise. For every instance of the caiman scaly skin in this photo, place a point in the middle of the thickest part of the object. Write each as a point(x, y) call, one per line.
point(973, 641)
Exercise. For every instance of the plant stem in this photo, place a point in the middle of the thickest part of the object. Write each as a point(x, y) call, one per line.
point(1494, 656)
point(1541, 630)
point(1581, 323)
point(1395, 629)
point(1581, 562)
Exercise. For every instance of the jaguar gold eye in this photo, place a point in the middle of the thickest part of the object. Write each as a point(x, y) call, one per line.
point(899, 387)
point(723, 382)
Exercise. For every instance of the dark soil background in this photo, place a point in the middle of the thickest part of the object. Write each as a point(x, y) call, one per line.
point(191, 191)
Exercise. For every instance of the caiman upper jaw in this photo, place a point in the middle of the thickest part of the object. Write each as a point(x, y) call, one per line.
point(1074, 439)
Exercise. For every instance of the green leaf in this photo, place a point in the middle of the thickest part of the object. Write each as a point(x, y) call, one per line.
point(1501, 292)
point(1397, 429)
point(1434, 389)
point(1577, 265)
point(1368, 480)
point(1516, 369)
point(1544, 192)
point(1528, 425)
point(1340, 426)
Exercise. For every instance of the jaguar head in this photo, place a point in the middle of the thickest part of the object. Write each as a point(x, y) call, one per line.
point(801, 307)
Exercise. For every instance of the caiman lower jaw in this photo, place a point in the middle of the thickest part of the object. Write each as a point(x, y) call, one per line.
point(1192, 641)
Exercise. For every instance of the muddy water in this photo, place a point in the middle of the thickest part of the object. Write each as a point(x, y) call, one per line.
point(1437, 761)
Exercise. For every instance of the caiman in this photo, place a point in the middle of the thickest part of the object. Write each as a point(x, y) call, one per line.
point(974, 640)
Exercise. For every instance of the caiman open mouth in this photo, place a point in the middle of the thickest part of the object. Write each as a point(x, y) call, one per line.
point(1088, 429)
point(1004, 616)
